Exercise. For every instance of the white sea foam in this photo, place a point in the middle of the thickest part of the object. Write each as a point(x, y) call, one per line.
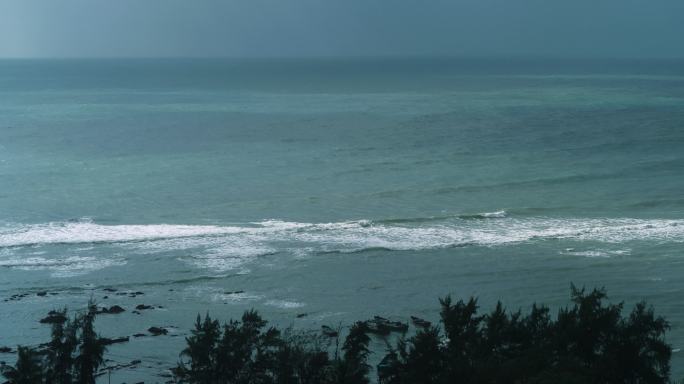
point(87, 232)
point(235, 297)
point(591, 253)
point(497, 214)
point(285, 304)
point(270, 236)
point(596, 252)
point(61, 266)
point(222, 248)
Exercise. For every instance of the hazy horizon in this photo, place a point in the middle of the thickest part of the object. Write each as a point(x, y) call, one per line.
point(357, 57)
point(609, 29)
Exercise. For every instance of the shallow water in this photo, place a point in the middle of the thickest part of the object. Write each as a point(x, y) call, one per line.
point(340, 189)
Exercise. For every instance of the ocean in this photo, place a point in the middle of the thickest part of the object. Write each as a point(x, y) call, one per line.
point(334, 189)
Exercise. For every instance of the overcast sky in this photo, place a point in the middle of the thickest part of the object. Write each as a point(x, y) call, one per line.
point(285, 28)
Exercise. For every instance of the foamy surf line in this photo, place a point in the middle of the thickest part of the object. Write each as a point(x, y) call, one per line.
point(90, 233)
point(272, 235)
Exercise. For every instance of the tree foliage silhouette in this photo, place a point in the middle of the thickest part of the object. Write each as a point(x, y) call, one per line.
point(60, 351)
point(247, 351)
point(28, 369)
point(354, 368)
point(589, 342)
point(73, 355)
point(90, 348)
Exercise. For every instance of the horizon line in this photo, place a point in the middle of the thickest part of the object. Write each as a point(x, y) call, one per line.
point(356, 57)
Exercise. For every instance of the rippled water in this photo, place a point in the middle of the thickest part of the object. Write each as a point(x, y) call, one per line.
point(339, 189)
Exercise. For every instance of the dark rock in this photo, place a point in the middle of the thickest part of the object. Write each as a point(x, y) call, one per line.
point(53, 318)
point(417, 321)
point(101, 373)
point(141, 307)
point(113, 310)
point(377, 329)
point(156, 331)
point(397, 326)
point(135, 312)
point(139, 335)
point(6, 350)
point(107, 341)
point(110, 289)
point(300, 315)
point(134, 362)
point(41, 293)
point(329, 332)
point(382, 326)
point(105, 297)
point(116, 309)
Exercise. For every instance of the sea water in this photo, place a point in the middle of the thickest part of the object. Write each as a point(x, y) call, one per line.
point(333, 189)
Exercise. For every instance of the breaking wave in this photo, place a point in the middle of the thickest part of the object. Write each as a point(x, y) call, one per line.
point(227, 247)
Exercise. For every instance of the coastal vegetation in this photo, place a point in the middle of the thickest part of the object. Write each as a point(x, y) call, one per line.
point(589, 341)
point(73, 354)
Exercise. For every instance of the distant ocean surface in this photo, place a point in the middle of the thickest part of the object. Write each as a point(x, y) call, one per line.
point(339, 189)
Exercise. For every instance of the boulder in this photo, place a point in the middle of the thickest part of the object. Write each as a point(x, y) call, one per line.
point(108, 341)
point(113, 310)
point(417, 321)
point(383, 326)
point(54, 317)
point(116, 309)
point(329, 332)
point(156, 331)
